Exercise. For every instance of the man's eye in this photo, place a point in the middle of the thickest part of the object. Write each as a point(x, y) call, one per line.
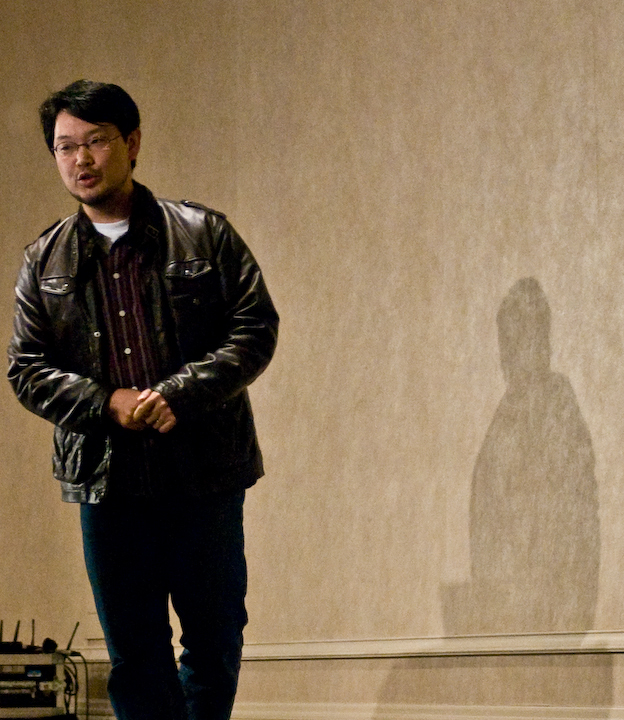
point(65, 147)
point(97, 143)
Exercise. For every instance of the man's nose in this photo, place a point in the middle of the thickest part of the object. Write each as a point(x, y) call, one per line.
point(83, 156)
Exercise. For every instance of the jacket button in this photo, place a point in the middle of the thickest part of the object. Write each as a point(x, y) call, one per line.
point(97, 334)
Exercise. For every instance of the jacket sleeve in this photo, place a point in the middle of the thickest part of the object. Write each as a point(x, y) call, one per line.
point(247, 340)
point(67, 399)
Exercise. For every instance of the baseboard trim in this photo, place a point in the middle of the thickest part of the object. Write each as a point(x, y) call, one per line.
point(101, 710)
point(588, 643)
point(338, 711)
point(477, 645)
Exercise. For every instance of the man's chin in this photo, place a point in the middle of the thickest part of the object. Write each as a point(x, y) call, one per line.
point(96, 199)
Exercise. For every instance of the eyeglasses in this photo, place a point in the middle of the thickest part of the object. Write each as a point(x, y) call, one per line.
point(96, 145)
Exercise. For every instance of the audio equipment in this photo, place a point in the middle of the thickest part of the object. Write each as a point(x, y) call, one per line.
point(34, 680)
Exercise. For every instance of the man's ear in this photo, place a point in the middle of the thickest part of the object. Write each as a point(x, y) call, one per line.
point(134, 143)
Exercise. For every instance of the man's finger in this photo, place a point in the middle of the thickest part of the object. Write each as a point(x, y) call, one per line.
point(169, 424)
point(146, 405)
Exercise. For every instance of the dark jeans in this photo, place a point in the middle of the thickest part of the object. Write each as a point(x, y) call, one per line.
point(139, 552)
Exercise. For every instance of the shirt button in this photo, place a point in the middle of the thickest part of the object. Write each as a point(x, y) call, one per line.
point(116, 276)
point(97, 333)
point(127, 351)
point(122, 313)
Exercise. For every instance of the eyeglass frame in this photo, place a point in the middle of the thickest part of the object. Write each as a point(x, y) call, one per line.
point(88, 145)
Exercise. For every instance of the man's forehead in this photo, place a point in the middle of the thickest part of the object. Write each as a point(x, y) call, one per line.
point(68, 125)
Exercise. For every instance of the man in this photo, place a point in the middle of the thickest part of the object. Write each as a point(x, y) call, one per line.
point(139, 324)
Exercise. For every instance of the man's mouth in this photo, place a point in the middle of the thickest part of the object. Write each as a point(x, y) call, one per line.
point(86, 179)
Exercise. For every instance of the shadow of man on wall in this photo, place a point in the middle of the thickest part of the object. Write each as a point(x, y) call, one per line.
point(534, 542)
point(534, 532)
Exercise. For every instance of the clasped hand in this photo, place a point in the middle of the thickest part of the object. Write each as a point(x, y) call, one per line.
point(137, 410)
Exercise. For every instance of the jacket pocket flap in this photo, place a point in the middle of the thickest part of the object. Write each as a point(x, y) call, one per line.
point(58, 285)
point(189, 269)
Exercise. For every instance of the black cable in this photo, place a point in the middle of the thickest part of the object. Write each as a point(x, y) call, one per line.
point(71, 685)
point(86, 672)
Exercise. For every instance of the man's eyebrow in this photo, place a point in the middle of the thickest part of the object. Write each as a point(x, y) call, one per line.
point(89, 132)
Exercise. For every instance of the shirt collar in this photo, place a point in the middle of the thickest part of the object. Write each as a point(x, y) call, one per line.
point(145, 224)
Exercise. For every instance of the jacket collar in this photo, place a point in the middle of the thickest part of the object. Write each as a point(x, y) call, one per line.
point(146, 226)
point(75, 239)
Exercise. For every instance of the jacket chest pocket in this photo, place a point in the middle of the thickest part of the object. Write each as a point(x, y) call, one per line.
point(59, 297)
point(195, 298)
point(76, 337)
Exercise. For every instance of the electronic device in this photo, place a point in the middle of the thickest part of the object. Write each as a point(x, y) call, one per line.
point(36, 681)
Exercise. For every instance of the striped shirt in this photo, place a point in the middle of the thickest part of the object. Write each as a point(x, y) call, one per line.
point(139, 464)
point(131, 360)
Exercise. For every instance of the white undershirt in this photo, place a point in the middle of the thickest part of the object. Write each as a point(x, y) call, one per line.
point(113, 230)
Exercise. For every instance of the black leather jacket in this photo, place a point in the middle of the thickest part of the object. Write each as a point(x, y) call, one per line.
point(209, 301)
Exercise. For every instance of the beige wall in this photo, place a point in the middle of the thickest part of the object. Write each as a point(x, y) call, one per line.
point(397, 167)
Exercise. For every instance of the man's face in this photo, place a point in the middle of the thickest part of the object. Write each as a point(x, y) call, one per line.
point(97, 177)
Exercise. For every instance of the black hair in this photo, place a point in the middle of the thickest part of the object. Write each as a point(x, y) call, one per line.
point(93, 102)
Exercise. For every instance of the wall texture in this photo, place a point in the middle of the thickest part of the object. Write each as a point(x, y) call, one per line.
point(433, 189)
